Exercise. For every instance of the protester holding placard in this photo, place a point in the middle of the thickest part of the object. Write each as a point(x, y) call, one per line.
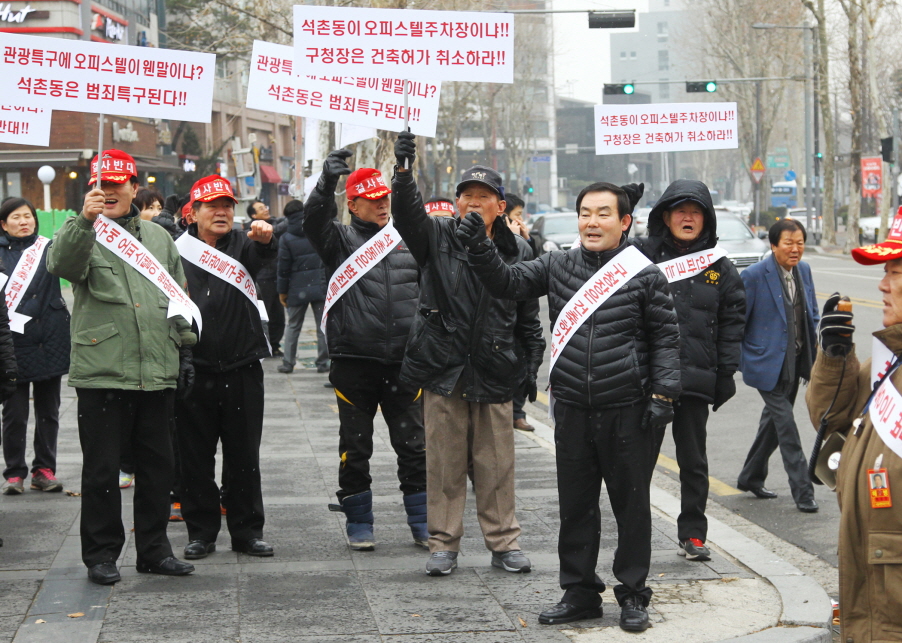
point(470, 353)
point(127, 361)
point(861, 402)
point(42, 345)
point(370, 305)
point(710, 302)
point(614, 377)
point(226, 404)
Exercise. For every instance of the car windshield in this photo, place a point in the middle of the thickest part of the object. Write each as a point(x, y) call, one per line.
point(731, 229)
point(561, 225)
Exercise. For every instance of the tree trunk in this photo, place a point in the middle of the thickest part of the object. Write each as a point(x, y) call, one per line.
point(853, 12)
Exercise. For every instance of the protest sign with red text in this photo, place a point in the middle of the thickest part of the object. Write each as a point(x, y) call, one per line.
point(668, 127)
point(24, 125)
point(275, 85)
point(404, 43)
point(94, 77)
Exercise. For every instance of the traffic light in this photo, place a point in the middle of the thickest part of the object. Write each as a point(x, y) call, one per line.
point(612, 19)
point(529, 188)
point(709, 86)
point(886, 149)
point(627, 89)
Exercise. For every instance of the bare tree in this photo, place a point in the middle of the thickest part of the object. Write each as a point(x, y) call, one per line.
point(853, 11)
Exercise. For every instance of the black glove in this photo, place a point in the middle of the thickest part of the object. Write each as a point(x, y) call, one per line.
point(634, 192)
point(334, 167)
point(185, 381)
point(835, 330)
point(7, 386)
point(406, 149)
point(724, 389)
point(530, 388)
point(173, 205)
point(658, 413)
point(471, 231)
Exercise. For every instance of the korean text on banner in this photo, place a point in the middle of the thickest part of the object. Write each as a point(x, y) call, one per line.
point(94, 77)
point(25, 125)
point(665, 127)
point(404, 43)
point(275, 86)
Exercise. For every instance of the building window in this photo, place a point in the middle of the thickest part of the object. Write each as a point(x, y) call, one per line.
point(622, 55)
point(632, 55)
point(663, 60)
point(664, 90)
point(662, 28)
point(10, 184)
point(539, 129)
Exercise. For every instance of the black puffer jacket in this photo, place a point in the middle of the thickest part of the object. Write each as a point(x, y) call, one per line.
point(279, 227)
point(628, 349)
point(710, 305)
point(462, 332)
point(42, 351)
point(301, 274)
point(233, 331)
point(372, 319)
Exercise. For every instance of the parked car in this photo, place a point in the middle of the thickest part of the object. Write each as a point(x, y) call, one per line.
point(640, 222)
point(801, 215)
point(555, 231)
point(734, 235)
point(868, 227)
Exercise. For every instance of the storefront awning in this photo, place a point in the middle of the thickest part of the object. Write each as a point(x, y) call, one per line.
point(269, 175)
point(15, 159)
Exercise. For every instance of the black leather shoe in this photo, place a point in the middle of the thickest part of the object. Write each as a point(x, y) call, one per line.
point(633, 615)
point(567, 613)
point(104, 573)
point(762, 492)
point(199, 549)
point(169, 566)
point(809, 507)
point(253, 547)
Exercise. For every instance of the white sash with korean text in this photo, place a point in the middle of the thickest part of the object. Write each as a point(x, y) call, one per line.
point(124, 245)
point(17, 283)
point(692, 264)
point(358, 264)
point(886, 415)
point(882, 359)
point(221, 265)
point(600, 286)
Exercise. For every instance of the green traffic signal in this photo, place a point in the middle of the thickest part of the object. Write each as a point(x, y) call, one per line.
point(628, 89)
point(711, 86)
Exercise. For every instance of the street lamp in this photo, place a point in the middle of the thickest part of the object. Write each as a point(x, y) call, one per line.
point(46, 174)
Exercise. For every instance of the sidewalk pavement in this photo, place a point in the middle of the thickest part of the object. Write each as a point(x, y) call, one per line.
point(316, 590)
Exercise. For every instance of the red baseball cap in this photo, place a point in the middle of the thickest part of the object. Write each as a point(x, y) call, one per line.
point(368, 183)
point(885, 250)
point(118, 167)
point(212, 187)
point(439, 207)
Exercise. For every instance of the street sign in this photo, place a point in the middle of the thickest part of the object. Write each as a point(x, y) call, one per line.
point(789, 176)
point(758, 170)
point(542, 159)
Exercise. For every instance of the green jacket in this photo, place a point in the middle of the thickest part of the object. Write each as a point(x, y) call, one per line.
point(121, 338)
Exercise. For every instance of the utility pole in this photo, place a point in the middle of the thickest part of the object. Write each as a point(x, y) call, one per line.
point(758, 150)
point(809, 137)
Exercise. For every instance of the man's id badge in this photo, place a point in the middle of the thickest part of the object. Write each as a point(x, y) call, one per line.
point(878, 482)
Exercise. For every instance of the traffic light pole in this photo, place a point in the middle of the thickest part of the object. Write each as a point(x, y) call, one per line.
point(809, 138)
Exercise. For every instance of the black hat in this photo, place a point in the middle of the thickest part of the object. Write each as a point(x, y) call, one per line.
point(482, 174)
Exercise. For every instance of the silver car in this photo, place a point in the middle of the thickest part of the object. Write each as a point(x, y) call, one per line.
point(736, 237)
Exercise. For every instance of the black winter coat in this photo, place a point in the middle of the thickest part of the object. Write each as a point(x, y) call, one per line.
point(628, 349)
point(268, 269)
point(710, 305)
point(42, 352)
point(372, 319)
point(300, 272)
point(233, 331)
point(461, 332)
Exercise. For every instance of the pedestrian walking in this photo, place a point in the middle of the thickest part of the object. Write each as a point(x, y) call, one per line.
point(848, 395)
point(367, 329)
point(470, 353)
point(614, 376)
point(710, 303)
point(778, 350)
point(301, 282)
point(127, 360)
point(266, 278)
point(42, 343)
point(226, 403)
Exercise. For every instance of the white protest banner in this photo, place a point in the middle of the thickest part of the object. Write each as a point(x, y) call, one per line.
point(404, 43)
point(94, 77)
point(24, 125)
point(275, 86)
point(668, 127)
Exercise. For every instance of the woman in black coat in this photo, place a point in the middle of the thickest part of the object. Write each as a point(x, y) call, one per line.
point(41, 353)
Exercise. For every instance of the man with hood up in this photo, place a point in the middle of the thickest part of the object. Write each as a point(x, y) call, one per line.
point(366, 330)
point(710, 302)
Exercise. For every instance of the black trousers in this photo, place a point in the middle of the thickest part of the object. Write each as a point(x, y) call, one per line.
point(46, 427)
point(609, 445)
point(102, 415)
point(690, 435)
point(228, 408)
point(266, 290)
point(361, 387)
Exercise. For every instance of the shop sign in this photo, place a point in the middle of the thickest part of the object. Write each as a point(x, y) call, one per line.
point(8, 14)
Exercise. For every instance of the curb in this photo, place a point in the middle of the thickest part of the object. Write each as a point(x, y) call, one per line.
point(807, 611)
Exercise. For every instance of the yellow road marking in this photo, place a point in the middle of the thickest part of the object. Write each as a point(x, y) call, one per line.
point(867, 303)
point(334, 408)
point(715, 486)
point(542, 397)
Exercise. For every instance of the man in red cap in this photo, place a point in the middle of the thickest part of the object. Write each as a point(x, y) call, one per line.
point(370, 303)
point(861, 402)
point(226, 405)
point(129, 355)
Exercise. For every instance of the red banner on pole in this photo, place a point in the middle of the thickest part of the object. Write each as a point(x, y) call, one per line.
point(871, 176)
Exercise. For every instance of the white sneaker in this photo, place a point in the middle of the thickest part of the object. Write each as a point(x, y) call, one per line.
point(126, 479)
